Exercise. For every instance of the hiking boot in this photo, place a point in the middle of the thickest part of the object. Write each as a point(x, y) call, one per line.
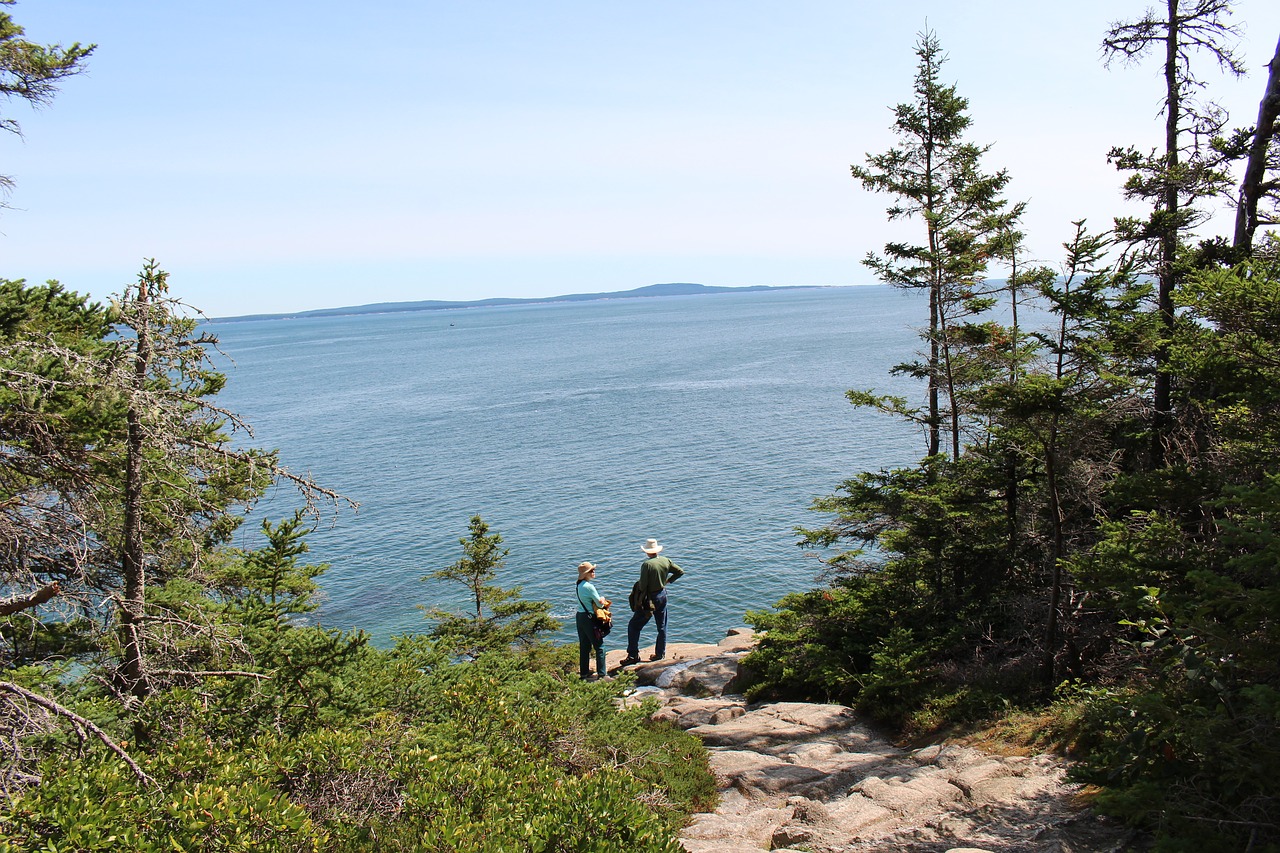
point(657, 657)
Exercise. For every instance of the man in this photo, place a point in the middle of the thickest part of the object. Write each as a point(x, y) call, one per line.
point(655, 573)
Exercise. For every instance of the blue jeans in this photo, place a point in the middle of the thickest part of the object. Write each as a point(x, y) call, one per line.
point(641, 618)
point(586, 644)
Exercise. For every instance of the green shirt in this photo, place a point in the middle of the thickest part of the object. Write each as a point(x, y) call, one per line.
point(657, 572)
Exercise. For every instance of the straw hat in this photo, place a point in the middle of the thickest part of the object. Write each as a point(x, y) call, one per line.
point(651, 547)
point(584, 569)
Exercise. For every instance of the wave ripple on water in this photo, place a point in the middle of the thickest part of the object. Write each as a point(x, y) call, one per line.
point(577, 430)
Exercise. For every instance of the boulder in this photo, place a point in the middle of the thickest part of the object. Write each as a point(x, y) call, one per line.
point(687, 712)
point(768, 727)
point(759, 776)
point(738, 640)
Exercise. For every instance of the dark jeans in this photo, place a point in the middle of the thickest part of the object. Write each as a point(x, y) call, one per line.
point(586, 644)
point(641, 618)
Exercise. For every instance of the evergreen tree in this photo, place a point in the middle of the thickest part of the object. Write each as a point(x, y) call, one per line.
point(935, 175)
point(1186, 564)
point(48, 429)
point(498, 618)
point(118, 475)
point(1063, 418)
point(271, 582)
point(31, 72)
point(181, 473)
point(1185, 171)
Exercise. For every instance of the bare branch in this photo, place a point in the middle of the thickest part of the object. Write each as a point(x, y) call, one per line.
point(211, 673)
point(81, 722)
point(13, 605)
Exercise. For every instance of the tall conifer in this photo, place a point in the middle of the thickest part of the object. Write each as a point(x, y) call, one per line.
point(934, 174)
point(1173, 179)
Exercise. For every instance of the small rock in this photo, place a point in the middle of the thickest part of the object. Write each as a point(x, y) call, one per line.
point(738, 639)
point(809, 811)
point(789, 835)
point(724, 715)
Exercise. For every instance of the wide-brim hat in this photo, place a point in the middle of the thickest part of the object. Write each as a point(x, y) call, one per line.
point(651, 547)
point(585, 568)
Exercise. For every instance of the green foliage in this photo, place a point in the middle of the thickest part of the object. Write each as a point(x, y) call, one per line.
point(498, 617)
point(338, 746)
point(491, 755)
point(1202, 770)
point(850, 643)
point(31, 72)
point(96, 805)
point(934, 174)
point(937, 527)
point(269, 585)
point(897, 680)
point(1106, 513)
point(941, 709)
point(49, 427)
point(121, 484)
point(818, 645)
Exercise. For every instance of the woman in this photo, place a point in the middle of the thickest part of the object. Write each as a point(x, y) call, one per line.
point(588, 601)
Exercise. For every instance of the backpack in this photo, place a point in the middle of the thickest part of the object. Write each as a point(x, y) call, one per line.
point(601, 623)
point(639, 600)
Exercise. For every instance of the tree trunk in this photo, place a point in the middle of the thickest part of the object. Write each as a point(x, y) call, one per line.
point(1256, 167)
point(935, 327)
point(1010, 456)
point(1052, 629)
point(133, 560)
point(949, 375)
point(1162, 393)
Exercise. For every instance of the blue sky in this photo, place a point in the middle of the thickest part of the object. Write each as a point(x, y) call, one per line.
point(276, 155)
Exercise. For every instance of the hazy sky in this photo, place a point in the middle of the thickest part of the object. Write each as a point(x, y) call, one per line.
point(278, 155)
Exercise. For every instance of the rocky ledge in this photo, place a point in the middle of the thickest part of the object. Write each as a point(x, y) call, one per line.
point(796, 776)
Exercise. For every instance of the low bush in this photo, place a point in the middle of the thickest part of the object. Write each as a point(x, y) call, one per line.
point(508, 752)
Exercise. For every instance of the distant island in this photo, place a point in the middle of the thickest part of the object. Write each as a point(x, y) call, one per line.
point(673, 289)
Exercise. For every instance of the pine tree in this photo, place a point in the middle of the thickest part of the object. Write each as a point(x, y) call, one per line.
point(1185, 171)
point(935, 175)
point(497, 618)
point(31, 72)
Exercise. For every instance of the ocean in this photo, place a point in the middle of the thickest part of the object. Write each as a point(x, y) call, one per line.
point(577, 431)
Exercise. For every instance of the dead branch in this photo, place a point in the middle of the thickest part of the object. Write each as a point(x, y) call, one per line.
point(81, 722)
point(208, 673)
point(13, 605)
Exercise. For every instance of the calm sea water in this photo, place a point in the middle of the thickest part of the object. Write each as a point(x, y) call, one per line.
point(577, 431)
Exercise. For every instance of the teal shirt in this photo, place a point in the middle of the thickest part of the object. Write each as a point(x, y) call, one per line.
point(657, 572)
point(587, 595)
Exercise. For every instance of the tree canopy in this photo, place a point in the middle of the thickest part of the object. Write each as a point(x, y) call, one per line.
point(1099, 544)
